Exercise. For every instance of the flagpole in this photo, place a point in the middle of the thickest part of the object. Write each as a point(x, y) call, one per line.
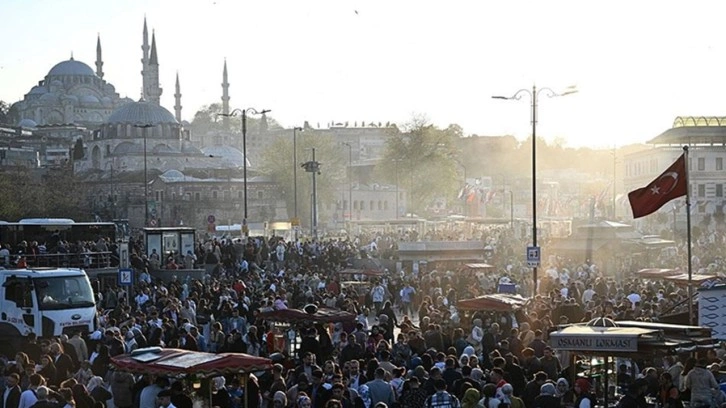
point(688, 235)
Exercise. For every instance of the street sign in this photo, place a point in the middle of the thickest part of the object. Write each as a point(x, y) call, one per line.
point(295, 222)
point(533, 256)
point(211, 218)
point(125, 277)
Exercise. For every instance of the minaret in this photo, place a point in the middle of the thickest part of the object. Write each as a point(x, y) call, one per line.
point(99, 59)
point(177, 98)
point(153, 93)
point(144, 61)
point(225, 97)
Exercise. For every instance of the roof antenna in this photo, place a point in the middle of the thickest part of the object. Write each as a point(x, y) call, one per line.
point(71, 55)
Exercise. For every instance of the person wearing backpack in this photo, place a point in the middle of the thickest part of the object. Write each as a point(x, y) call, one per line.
point(441, 398)
point(584, 398)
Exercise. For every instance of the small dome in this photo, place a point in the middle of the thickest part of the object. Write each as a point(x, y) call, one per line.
point(126, 148)
point(38, 90)
point(189, 148)
point(71, 67)
point(89, 99)
point(173, 175)
point(601, 322)
point(141, 113)
point(27, 123)
point(162, 148)
point(227, 153)
point(49, 97)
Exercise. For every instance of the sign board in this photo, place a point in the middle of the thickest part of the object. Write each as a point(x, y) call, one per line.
point(211, 219)
point(123, 249)
point(295, 221)
point(125, 277)
point(595, 342)
point(533, 256)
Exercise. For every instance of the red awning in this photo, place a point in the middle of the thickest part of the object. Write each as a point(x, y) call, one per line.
point(499, 302)
point(657, 273)
point(176, 362)
point(296, 316)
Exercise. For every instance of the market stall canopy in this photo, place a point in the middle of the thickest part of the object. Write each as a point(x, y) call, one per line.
point(696, 279)
point(477, 266)
point(176, 362)
point(499, 302)
point(657, 273)
point(297, 316)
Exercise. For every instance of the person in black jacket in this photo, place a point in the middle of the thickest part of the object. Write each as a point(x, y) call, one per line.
point(13, 396)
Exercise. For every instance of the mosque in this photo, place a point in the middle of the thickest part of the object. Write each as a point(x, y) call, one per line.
point(128, 144)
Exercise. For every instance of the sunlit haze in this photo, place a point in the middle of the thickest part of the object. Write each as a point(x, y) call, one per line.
point(637, 65)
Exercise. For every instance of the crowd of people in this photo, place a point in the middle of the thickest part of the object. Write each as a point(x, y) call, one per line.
point(407, 347)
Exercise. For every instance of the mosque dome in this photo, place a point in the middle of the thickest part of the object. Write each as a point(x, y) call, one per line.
point(227, 153)
point(89, 99)
point(141, 113)
point(189, 148)
point(71, 67)
point(173, 175)
point(27, 123)
point(106, 101)
point(38, 90)
point(49, 98)
point(127, 148)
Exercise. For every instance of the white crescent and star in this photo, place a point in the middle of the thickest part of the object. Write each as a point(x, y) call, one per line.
point(655, 190)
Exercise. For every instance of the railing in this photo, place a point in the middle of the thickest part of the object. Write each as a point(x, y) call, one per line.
point(89, 260)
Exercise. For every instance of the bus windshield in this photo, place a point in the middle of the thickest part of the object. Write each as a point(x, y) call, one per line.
point(64, 292)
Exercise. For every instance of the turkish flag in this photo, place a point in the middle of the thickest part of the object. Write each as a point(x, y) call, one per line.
point(673, 183)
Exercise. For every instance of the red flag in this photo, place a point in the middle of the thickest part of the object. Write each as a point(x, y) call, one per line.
point(673, 183)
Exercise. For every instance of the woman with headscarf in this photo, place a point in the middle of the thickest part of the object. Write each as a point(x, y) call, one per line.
point(471, 398)
point(564, 393)
point(279, 400)
point(303, 401)
point(509, 398)
point(220, 395)
point(97, 390)
point(547, 397)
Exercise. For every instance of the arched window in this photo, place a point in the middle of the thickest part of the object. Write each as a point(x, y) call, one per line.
point(385, 205)
point(372, 205)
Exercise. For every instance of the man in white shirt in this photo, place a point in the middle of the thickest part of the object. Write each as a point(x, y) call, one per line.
point(28, 397)
point(587, 295)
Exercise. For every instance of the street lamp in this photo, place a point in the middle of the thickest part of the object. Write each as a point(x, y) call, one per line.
point(396, 161)
point(350, 181)
point(294, 173)
point(313, 167)
point(146, 174)
point(245, 112)
point(534, 96)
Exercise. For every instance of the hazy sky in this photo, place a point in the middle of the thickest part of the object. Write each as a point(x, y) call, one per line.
point(637, 64)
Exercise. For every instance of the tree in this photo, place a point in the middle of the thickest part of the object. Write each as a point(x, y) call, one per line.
point(277, 162)
point(4, 112)
point(422, 160)
point(209, 119)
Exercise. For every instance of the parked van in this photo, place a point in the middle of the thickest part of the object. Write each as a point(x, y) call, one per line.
point(45, 301)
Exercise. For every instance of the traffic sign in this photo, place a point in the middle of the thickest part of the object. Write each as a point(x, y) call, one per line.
point(211, 218)
point(533, 256)
point(125, 277)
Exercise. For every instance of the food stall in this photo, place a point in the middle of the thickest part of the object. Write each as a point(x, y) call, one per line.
point(192, 365)
point(287, 321)
point(601, 340)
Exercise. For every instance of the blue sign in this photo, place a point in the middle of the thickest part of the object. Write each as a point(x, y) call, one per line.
point(533, 256)
point(125, 277)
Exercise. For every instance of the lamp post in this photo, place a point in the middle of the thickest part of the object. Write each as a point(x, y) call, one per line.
point(350, 181)
point(245, 112)
point(534, 96)
point(294, 174)
point(396, 161)
point(146, 175)
point(314, 168)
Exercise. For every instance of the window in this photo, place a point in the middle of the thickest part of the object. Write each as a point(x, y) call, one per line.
point(362, 205)
point(380, 205)
point(719, 190)
point(197, 197)
point(701, 164)
point(260, 195)
point(19, 292)
point(372, 205)
point(719, 163)
point(355, 205)
point(227, 195)
point(240, 195)
point(385, 205)
point(214, 195)
point(701, 190)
